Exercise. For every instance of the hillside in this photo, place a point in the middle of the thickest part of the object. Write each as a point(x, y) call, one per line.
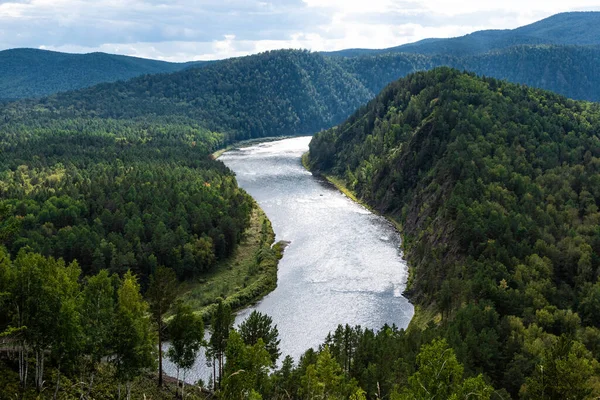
point(37, 73)
point(275, 93)
point(295, 92)
point(497, 189)
point(573, 28)
point(568, 70)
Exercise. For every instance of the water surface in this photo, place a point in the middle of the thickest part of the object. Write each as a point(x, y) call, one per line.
point(343, 264)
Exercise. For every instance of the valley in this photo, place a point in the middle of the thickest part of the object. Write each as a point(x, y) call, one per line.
point(160, 238)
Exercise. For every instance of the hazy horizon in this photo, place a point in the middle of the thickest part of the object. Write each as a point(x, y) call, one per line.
point(185, 30)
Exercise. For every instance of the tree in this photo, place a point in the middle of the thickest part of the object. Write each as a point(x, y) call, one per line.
point(68, 339)
point(186, 331)
point(132, 336)
point(221, 323)
point(98, 317)
point(325, 379)
point(563, 373)
point(6, 282)
point(260, 326)
point(247, 368)
point(589, 307)
point(8, 226)
point(440, 376)
point(284, 380)
point(161, 294)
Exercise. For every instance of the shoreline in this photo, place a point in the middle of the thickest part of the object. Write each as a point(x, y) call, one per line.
point(260, 277)
point(242, 280)
point(422, 316)
point(246, 143)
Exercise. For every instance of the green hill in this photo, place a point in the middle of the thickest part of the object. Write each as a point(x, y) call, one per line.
point(568, 70)
point(269, 94)
point(31, 73)
point(496, 187)
point(37, 73)
point(295, 92)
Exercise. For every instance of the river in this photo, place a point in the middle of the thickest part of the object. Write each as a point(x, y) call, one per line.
point(343, 264)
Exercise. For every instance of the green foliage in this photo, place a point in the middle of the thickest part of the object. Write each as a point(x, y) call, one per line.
point(260, 326)
point(147, 197)
point(269, 94)
point(221, 324)
point(186, 331)
point(246, 369)
point(161, 293)
point(495, 186)
point(97, 316)
point(440, 376)
point(563, 373)
point(132, 339)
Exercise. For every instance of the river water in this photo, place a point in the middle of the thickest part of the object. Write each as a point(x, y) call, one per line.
point(343, 264)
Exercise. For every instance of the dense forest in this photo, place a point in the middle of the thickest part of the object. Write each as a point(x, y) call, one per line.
point(289, 91)
point(120, 195)
point(95, 338)
point(269, 94)
point(569, 70)
point(36, 73)
point(496, 187)
point(109, 197)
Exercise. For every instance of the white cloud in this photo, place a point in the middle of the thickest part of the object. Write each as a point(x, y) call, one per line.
point(181, 30)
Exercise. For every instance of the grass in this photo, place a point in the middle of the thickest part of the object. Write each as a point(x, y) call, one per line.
point(423, 316)
point(244, 278)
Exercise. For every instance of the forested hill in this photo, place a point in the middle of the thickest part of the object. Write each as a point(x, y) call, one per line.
point(572, 28)
point(295, 92)
point(31, 73)
point(269, 94)
point(37, 73)
point(497, 187)
point(568, 70)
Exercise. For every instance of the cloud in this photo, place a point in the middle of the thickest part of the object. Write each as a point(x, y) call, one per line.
point(181, 30)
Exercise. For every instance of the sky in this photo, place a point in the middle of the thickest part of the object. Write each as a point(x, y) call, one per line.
point(187, 30)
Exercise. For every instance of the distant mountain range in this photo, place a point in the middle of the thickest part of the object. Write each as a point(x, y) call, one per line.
point(36, 73)
point(573, 28)
point(533, 54)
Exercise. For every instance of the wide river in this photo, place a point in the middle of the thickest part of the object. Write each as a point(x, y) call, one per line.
point(343, 264)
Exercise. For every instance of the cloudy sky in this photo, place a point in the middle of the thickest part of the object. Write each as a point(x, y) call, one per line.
point(182, 30)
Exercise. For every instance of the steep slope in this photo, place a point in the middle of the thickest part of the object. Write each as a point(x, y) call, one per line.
point(573, 28)
point(37, 73)
point(497, 187)
point(274, 93)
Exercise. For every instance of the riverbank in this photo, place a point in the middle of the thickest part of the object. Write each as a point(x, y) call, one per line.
point(422, 315)
point(244, 278)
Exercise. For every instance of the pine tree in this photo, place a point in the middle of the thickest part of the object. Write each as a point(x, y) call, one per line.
point(186, 331)
point(161, 294)
point(133, 342)
point(221, 323)
point(260, 326)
